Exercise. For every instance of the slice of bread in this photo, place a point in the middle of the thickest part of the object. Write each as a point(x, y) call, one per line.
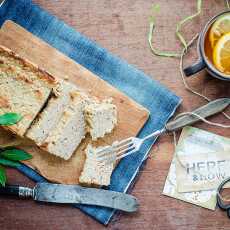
point(101, 118)
point(61, 126)
point(70, 130)
point(24, 89)
point(47, 120)
point(95, 173)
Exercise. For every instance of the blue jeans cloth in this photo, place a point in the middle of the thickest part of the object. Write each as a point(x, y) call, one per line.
point(151, 94)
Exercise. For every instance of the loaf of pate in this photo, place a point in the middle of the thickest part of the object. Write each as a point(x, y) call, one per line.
point(56, 114)
point(24, 89)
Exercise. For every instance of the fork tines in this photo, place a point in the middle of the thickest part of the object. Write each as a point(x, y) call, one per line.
point(116, 151)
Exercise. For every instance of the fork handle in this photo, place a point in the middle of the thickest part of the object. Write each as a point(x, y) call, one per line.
point(207, 110)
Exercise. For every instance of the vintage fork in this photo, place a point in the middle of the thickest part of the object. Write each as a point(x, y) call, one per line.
point(123, 148)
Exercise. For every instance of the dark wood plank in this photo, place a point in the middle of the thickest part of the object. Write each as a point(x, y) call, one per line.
point(121, 27)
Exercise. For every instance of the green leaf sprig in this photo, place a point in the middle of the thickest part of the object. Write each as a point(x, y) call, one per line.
point(11, 157)
point(10, 118)
point(2, 176)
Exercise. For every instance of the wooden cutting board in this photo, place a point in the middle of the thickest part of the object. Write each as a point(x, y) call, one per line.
point(131, 116)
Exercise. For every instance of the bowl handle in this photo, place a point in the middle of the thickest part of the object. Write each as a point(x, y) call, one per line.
point(196, 67)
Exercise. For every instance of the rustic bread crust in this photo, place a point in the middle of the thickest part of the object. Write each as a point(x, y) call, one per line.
point(34, 93)
point(24, 88)
point(45, 76)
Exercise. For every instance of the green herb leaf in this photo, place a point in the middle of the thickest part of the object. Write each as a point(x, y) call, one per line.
point(9, 163)
point(15, 155)
point(10, 118)
point(2, 176)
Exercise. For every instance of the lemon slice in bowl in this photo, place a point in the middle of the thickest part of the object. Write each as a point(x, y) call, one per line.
point(221, 54)
point(220, 27)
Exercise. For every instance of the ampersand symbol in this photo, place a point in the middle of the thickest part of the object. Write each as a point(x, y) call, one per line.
point(195, 178)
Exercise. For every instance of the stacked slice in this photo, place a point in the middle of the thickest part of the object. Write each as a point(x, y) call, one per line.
point(60, 127)
point(67, 117)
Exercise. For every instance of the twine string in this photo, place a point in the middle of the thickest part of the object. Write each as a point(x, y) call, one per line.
point(203, 119)
point(184, 51)
point(188, 88)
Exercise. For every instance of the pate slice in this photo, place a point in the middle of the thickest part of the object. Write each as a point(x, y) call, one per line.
point(71, 129)
point(61, 126)
point(95, 172)
point(47, 120)
point(101, 118)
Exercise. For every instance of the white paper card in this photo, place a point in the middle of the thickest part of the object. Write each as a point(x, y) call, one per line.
point(188, 144)
point(203, 171)
point(203, 160)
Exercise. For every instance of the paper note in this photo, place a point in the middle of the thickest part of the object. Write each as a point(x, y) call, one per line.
point(195, 141)
point(202, 160)
point(203, 171)
point(205, 199)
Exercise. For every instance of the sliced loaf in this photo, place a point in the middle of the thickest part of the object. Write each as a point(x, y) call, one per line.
point(24, 89)
point(61, 126)
point(47, 120)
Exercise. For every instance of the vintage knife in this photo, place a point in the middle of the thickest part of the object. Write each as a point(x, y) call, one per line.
point(74, 194)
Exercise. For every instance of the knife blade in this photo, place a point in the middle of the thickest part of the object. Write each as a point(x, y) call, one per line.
point(74, 194)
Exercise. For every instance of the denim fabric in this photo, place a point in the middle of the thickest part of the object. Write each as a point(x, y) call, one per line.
point(151, 94)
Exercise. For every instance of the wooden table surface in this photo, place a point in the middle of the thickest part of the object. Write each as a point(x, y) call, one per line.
point(122, 27)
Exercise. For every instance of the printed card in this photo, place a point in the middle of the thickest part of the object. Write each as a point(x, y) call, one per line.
point(203, 171)
point(192, 143)
point(202, 160)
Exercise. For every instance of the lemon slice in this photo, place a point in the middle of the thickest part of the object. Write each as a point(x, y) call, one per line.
point(221, 54)
point(220, 27)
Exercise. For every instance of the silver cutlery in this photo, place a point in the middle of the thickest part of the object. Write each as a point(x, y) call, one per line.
point(73, 194)
point(123, 148)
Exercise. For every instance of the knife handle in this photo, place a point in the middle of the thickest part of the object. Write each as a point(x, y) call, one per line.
point(12, 190)
point(207, 110)
point(16, 190)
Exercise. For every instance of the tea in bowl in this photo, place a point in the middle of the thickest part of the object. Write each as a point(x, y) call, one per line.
point(214, 48)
